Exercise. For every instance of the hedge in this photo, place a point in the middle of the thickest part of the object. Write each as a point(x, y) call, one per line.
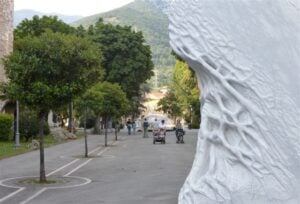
point(6, 123)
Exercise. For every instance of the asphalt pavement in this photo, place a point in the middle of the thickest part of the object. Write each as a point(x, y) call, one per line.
point(131, 170)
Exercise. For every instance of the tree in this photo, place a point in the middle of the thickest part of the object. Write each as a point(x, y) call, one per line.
point(47, 71)
point(127, 59)
point(170, 105)
point(107, 100)
point(186, 90)
point(37, 26)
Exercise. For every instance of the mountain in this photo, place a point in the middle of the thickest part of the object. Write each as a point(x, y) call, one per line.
point(143, 16)
point(22, 14)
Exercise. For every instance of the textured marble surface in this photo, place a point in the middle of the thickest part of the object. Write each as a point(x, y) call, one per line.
point(247, 57)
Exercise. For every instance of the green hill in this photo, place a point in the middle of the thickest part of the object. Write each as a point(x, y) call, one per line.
point(145, 17)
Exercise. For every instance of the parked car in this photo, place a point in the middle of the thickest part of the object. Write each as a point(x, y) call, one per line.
point(170, 126)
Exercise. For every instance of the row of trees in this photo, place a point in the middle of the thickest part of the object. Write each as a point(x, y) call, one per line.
point(182, 99)
point(101, 69)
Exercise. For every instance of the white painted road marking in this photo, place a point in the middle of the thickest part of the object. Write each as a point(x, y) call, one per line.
point(51, 173)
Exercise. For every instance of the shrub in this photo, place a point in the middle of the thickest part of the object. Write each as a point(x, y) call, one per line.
point(29, 125)
point(6, 123)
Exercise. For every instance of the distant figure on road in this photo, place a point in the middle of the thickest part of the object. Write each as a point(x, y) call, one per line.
point(155, 124)
point(179, 129)
point(133, 127)
point(162, 127)
point(145, 126)
point(128, 125)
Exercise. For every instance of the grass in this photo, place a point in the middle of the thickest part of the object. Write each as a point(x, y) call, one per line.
point(8, 149)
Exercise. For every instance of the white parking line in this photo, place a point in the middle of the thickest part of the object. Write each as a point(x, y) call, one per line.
point(51, 173)
point(78, 167)
point(75, 160)
point(85, 163)
point(12, 194)
point(57, 170)
point(34, 196)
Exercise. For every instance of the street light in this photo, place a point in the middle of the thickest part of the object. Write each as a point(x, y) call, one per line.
point(17, 139)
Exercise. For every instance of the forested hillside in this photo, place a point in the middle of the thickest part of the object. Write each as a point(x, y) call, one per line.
point(149, 19)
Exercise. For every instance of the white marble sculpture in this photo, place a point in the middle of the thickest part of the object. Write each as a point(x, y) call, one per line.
point(246, 54)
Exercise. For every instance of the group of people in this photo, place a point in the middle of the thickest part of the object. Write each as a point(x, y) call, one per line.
point(131, 126)
point(156, 125)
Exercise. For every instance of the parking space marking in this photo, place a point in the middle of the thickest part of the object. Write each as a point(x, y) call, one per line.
point(34, 196)
point(12, 194)
point(51, 173)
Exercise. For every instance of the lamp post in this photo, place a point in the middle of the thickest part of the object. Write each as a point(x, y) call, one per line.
point(17, 139)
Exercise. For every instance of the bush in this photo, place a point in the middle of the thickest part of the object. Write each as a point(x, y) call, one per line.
point(29, 125)
point(6, 123)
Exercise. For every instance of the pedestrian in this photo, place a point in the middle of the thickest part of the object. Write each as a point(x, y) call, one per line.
point(117, 126)
point(128, 124)
point(179, 128)
point(133, 127)
point(145, 126)
point(162, 127)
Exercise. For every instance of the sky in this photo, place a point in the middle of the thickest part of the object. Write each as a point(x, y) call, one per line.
point(70, 7)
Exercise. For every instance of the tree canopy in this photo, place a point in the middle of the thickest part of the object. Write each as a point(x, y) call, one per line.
point(126, 57)
point(47, 71)
point(183, 95)
point(105, 99)
point(38, 25)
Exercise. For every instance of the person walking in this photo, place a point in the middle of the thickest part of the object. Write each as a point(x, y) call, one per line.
point(145, 126)
point(128, 125)
point(133, 127)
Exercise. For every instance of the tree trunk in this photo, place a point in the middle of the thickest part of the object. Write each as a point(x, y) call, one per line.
point(85, 134)
point(97, 125)
point(116, 130)
point(41, 117)
point(105, 125)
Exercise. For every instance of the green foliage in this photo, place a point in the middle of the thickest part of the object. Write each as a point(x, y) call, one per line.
point(6, 122)
point(37, 26)
point(183, 96)
point(127, 60)
point(185, 87)
point(143, 16)
point(29, 125)
point(105, 99)
point(47, 71)
point(169, 105)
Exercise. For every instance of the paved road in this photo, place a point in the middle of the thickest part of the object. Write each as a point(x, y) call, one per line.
point(130, 171)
